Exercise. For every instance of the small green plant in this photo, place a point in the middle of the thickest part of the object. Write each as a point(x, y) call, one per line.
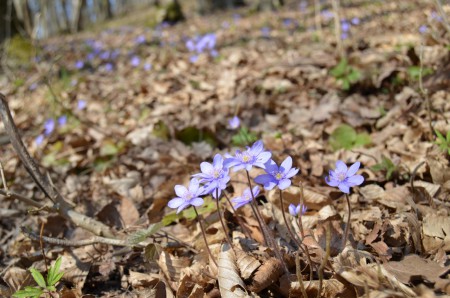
point(345, 74)
point(443, 142)
point(387, 166)
point(43, 287)
point(414, 72)
point(243, 137)
point(346, 137)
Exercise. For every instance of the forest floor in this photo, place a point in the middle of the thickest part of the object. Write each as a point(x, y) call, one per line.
point(119, 117)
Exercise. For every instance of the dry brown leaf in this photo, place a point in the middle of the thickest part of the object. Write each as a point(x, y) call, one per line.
point(17, 278)
point(189, 288)
point(266, 275)
point(247, 264)
point(172, 266)
point(330, 288)
point(372, 192)
point(230, 283)
point(436, 231)
point(143, 280)
point(313, 199)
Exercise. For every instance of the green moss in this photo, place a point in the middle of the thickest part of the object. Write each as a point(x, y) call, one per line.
point(20, 49)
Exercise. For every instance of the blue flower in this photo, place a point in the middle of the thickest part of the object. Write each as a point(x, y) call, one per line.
point(140, 39)
point(39, 140)
point(147, 66)
point(193, 58)
point(104, 55)
point(345, 26)
point(49, 126)
point(265, 31)
point(234, 122)
point(135, 61)
point(423, 29)
point(214, 176)
point(254, 156)
point(246, 197)
point(295, 210)
point(187, 196)
point(62, 120)
point(109, 67)
point(81, 104)
point(356, 21)
point(344, 178)
point(277, 176)
point(79, 64)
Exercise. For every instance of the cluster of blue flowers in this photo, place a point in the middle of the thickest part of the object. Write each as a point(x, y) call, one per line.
point(201, 44)
point(214, 178)
point(346, 26)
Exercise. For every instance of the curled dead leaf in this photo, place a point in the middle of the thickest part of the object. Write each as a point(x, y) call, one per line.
point(230, 283)
point(266, 275)
point(247, 264)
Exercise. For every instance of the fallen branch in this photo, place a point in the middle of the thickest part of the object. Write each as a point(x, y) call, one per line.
point(60, 205)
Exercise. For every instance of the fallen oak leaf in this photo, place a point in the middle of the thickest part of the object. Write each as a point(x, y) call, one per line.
point(230, 283)
point(266, 275)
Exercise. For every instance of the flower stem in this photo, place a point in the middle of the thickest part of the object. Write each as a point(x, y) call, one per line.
point(270, 241)
point(244, 228)
point(299, 275)
point(204, 237)
point(221, 219)
point(302, 232)
point(286, 222)
point(347, 226)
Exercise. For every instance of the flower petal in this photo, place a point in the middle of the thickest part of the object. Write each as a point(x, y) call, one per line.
point(331, 181)
point(264, 156)
point(284, 183)
point(341, 167)
point(257, 148)
point(175, 202)
point(193, 186)
point(270, 166)
point(183, 206)
point(353, 169)
point(196, 202)
point(292, 210)
point(264, 178)
point(180, 190)
point(344, 187)
point(206, 168)
point(218, 161)
point(255, 191)
point(355, 180)
point(291, 173)
point(286, 164)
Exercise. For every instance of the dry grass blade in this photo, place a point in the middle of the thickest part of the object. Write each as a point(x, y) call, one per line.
point(230, 283)
point(266, 275)
point(246, 263)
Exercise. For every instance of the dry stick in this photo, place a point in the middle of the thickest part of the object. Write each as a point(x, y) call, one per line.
point(221, 220)
point(337, 28)
point(41, 244)
point(347, 226)
point(204, 236)
point(60, 205)
point(413, 189)
point(265, 230)
point(299, 275)
point(318, 21)
point(425, 93)
point(325, 259)
point(244, 228)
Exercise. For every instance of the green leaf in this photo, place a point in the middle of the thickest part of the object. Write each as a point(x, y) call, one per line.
point(345, 85)
point(142, 235)
point(343, 137)
point(28, 292)
point(340, 69)
point(54, 275)
point(152, 251)
point(169, 218)
point(354, 75)
point(362, 139)
point(38, 277)
point(243, 137)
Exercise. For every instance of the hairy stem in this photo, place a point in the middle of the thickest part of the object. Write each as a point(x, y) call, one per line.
point(286, 222)
point(244, 228)
point(221, 220)
point(204, 236)
point(347, 226)
point(302, 232)
point(299, 275)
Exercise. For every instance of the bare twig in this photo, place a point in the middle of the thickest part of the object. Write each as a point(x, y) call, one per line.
point(60, 205)
point(204, 236)
point(325, 259)
point(337, 28)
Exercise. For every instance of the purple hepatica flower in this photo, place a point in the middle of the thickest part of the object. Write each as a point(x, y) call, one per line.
point(33, 86)
point(295, 210)
point(39, 140)
point(62, 120)
point(214, 176)
point(423, 29)
point(79, 64)
point(344, 178)
point(356, 21)
point(265, 31)
point(140, 39)
point(345, 26)
point(214, 53)
point(254, 156)
point(277, 176)
point(193, 58)
point(90, 56)
point(344, 35)
point(187, 197)
point(303, 5)
point(105, 55)
point(436, 16)
point(109, 67)
point(81, 104)
point(246, 197)
point(190, 45)
point(49, 126)
point(147, 66)
point(135, 61)
point(208, 41)
point(234, 122)
point(327, 14)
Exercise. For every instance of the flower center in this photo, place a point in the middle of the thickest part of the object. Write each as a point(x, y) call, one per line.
point(342, 176)
point(246, 157)
point(278, 176)
point(216, 173)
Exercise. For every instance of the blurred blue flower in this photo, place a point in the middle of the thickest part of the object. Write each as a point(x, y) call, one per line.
point(265, 31)
point(109, 67)
point(344, 35)
point(356, 21)
point(345, 26)
point(193, 58)
point(39, 140)
point(295, 210)
point(135, 61)
point(147, 66)
point(423, 29)
point(62, 120)
point(436, 16)
point(49, 126)
point(33, 86)
point(234, 122)
point(303, 5)
point(79, 64)
point(327, 14)
point(140, 39)
point(104, 55)
point(81, 104)
point(90, 56)
point(343, 177)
